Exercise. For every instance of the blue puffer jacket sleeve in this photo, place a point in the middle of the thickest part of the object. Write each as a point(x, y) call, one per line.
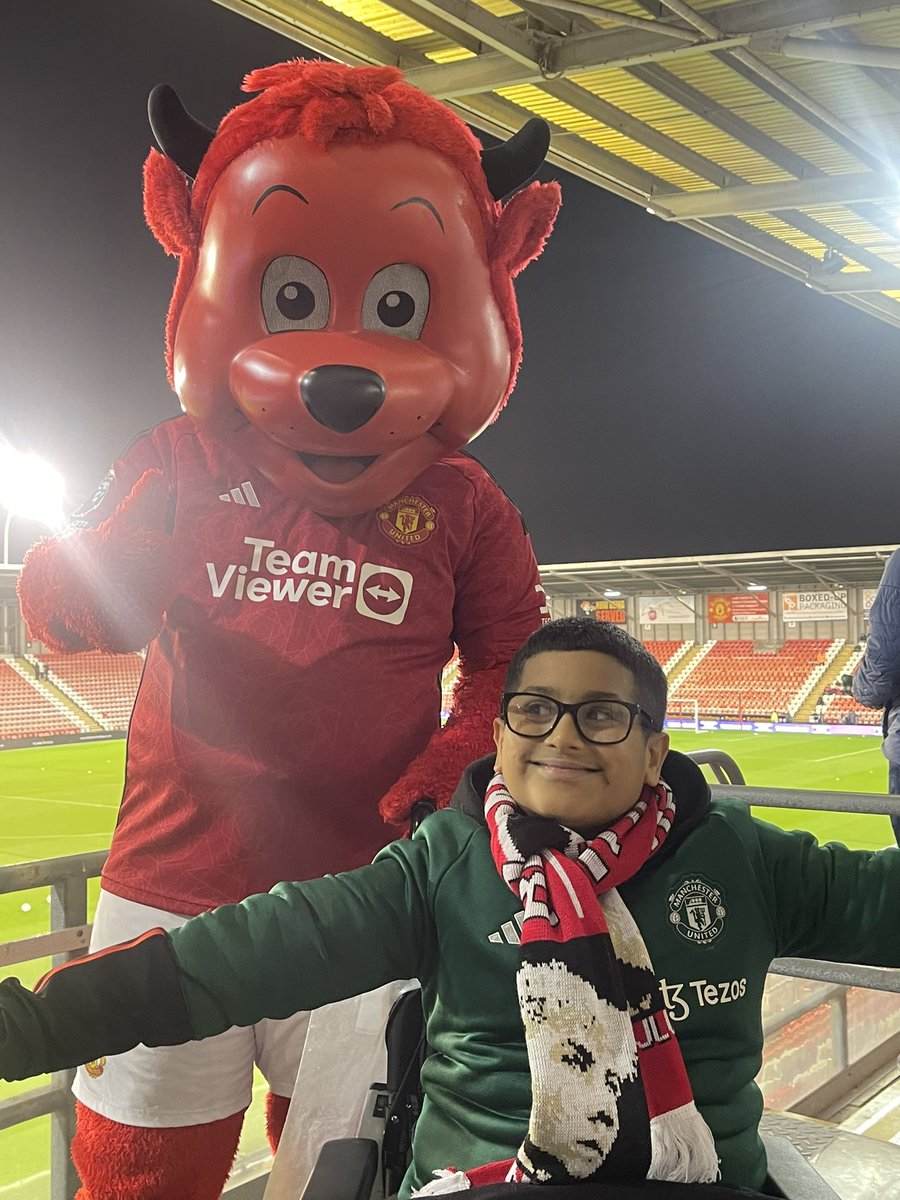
point(877, 680)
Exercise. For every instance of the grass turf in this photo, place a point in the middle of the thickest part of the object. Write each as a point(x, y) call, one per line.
point(63, 800)
point(56, 801)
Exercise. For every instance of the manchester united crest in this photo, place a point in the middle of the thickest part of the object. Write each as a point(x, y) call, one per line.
point(95, 1067)
point(697, 912)
point(408, 520)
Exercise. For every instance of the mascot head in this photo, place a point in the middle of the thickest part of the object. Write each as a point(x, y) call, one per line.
point(343, 314)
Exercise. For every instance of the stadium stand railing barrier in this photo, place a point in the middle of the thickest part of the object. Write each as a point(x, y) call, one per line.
point(70, 932)
point(68, 938)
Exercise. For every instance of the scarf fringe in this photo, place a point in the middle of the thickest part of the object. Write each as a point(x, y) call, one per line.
point(445, 1182)
point(682, 1147)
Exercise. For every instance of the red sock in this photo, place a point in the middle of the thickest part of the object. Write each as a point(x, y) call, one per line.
point(276, 1114)
point(123, 1162)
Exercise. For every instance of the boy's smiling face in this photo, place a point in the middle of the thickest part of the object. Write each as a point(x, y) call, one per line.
point(580, 784)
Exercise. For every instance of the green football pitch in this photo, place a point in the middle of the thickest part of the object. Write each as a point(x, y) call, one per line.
point(63, 800)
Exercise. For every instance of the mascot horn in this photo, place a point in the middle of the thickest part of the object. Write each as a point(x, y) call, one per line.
point(301, 550)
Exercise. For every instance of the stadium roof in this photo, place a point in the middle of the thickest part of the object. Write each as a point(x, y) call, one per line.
point(770, 126)
point(800, 570)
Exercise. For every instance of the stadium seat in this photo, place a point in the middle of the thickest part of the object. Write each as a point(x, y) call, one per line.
point(104, 685)
point(738, 680)
point(26, 712)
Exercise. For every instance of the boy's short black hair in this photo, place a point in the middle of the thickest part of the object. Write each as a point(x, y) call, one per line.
point(586, 633)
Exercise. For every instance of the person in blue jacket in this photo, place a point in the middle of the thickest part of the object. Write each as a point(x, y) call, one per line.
point(876, 683)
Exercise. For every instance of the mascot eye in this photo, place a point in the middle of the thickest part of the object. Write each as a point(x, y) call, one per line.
point(396, 301)
point(294, 295)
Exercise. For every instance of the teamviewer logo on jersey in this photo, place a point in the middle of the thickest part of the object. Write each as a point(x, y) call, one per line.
point(383, 593)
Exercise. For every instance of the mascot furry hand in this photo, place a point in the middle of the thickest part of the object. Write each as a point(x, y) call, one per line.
point(303, 547)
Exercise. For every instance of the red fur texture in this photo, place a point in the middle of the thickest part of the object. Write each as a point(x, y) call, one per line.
point(121, 1162)
point(167, 204)
point(525, 225)
point(466, 736)
point(276, 1115)
point(105, 588)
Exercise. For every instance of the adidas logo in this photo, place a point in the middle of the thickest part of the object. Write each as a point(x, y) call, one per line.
point(242, 495)
point(509, 932)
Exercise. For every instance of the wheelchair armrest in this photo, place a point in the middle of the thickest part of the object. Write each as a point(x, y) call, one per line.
point(344, 1170)
point(792, 1174)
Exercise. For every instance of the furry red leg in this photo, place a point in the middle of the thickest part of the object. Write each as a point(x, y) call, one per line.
point(276, 1115)
point(122, 1162)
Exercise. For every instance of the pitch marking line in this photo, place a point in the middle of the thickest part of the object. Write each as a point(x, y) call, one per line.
point(46, 837)
point(846, 754)
point(48, 800)
point(13, 1189)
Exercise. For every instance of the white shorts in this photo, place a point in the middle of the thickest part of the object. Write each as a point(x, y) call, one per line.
point(173, 1086)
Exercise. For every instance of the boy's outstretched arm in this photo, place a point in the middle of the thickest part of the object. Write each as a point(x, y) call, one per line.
point(103, 1004)
point(298, 947)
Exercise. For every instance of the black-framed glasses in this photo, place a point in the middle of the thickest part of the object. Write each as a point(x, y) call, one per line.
point(604, 722)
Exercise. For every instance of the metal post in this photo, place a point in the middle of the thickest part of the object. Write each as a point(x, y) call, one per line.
point(6, 525)
point(68, 907)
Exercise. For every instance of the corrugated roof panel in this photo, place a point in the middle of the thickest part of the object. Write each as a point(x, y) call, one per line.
point(843, 89)
point(731, 154)
point(880, 31)
point(855, 228)
point(499, 8)
point(648, 160)
point(537, 101)
point(380, 17)
point(773, 225)
point(622, 89)
point(451, 54)
point(802, 138)
point(729, 90)
point(648, 105)
point(671, 118)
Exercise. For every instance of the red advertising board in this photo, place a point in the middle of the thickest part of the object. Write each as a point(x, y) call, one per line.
point(736, 607)
point(605, 610)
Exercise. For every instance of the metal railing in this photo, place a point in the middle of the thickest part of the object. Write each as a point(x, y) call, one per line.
point(731, 783)
point(69, 937)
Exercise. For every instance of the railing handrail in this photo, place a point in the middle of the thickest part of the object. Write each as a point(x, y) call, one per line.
point(723, 765)
point(19, 877)
point(776, 797)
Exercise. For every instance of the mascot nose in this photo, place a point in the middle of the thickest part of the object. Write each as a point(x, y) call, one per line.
point(342, 398)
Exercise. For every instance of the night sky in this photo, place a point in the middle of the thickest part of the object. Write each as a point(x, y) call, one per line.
point(675, 398)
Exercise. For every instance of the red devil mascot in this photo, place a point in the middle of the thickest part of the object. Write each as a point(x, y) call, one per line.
point(302, 548)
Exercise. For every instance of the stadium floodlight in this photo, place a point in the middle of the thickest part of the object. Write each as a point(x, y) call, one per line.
point(757, 587)
point(611, 593)
point(30, 488)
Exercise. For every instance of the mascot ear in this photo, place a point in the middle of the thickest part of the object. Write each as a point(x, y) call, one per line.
point(524, 226)
point(180, 136)
point(167, 204)
point(167, 197)
point(512, 163)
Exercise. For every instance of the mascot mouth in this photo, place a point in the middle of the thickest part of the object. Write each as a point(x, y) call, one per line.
point(334, 469)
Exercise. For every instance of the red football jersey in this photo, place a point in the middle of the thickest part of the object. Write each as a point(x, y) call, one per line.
point(298, 671)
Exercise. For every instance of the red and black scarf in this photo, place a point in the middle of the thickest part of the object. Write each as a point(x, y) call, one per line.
point(611, 1098)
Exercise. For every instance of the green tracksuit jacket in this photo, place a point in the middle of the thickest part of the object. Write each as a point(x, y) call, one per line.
point(726, 895)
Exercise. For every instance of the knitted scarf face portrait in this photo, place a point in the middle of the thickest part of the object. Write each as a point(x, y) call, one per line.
point(611, 1099)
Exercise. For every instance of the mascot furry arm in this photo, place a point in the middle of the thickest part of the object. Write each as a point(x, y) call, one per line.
point(338, 363)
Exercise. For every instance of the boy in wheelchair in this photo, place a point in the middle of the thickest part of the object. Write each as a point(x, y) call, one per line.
point(590, 930)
